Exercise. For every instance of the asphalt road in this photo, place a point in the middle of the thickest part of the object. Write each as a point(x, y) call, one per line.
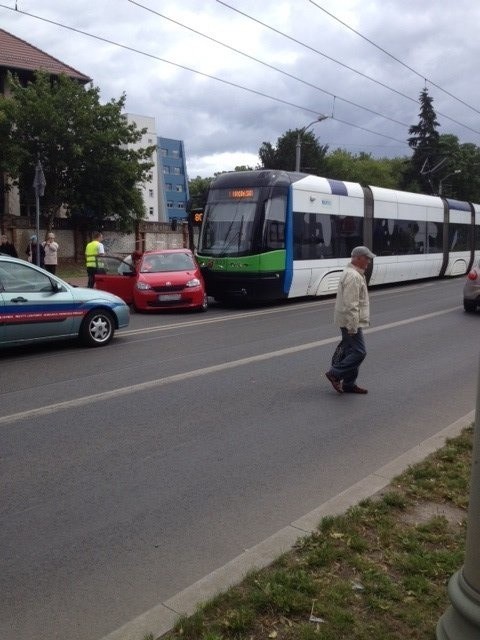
point(130, 472)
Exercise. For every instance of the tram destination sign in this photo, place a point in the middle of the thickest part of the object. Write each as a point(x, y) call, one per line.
point(238, 194)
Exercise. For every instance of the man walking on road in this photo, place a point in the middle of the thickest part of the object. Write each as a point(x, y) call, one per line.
point(352, 313)
point(93, 251)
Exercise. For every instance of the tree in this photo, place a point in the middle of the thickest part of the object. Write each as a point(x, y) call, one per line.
point(243, 167)
point(458, 175)
point(90, 169)
point(362, 168)
point(198, 190)
point(424, 140)
point(283, 155)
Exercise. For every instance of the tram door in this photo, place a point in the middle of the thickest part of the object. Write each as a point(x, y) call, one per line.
point(311, 243)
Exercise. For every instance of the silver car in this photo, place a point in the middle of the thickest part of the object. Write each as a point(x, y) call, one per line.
point(471, 290)
point(36, 306)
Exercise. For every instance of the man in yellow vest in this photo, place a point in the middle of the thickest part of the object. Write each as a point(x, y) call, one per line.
point(93, 252)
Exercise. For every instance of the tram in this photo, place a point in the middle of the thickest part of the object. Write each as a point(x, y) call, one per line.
point(269, 234)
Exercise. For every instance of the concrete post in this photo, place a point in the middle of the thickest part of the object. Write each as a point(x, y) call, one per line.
point(461, 621)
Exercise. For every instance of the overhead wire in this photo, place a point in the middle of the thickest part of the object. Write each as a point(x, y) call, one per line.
point(324, 55)
point(266, 64)
point(181, 66)
point(390, 55)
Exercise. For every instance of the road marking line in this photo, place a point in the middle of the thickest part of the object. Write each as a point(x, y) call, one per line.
point(159, 382)
point(280, 309)
point(237, 316)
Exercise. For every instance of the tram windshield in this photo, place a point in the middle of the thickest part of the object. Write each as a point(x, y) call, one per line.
point(228, 228)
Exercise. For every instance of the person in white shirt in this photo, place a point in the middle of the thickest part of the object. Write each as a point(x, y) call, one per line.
point(51, 253)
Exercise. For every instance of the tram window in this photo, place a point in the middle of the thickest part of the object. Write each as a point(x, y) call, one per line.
point(228, 229)
point(404, 237)
point(348, 234)
point(434, 237)
point(477, 237)
point(408, 238)
point(458, 237)
point(274, 223)
point(382, 233)
point(318, 236)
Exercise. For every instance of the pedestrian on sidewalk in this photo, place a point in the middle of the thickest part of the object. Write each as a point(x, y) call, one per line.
point(50, 247)
point(31, 252)
point(93, 254)
point(351, 314)
point(7, 247)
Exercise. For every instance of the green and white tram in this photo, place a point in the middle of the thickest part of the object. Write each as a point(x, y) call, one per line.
point(270, 234)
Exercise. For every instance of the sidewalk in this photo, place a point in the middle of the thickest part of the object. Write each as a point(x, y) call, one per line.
point(77, 281)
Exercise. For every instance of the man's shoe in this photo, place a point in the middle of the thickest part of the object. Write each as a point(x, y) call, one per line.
point(354, 389)
point(336, 383)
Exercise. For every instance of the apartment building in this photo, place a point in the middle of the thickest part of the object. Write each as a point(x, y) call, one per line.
point(165, 195)
point(173, 179)
point(149, 189)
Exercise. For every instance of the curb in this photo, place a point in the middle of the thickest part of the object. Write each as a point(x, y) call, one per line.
point(161, 618)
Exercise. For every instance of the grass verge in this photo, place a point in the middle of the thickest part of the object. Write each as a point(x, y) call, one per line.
point(378, 572)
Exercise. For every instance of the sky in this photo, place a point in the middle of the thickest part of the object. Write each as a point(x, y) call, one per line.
point(322, 67)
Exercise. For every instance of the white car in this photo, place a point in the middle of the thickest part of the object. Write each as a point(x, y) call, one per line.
point(471, 290)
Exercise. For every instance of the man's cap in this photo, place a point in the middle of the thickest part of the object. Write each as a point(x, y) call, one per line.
point(33, 238)
point(362, 251)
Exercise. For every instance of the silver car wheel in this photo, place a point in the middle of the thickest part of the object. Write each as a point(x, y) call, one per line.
point(97, 329)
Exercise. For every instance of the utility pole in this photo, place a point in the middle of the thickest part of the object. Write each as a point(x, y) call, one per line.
point(39, 186)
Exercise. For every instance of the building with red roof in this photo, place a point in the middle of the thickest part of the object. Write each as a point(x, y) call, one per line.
point(23, 60)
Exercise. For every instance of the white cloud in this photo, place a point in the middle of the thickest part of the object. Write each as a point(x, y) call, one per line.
point(223, 126)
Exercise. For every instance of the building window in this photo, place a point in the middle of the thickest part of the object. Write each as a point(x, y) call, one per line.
point(179, 187)
point(166, 169)
point(168, 186)
point(150, 193)
point(169, 204)
point(150, 211)
point(175, 153)
point(149, 141)
point(180, 205)
point(163, 153)
point(176, 171)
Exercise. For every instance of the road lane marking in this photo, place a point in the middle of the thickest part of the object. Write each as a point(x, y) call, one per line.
point(237, 316)
point(290, 305)
point(179, 377)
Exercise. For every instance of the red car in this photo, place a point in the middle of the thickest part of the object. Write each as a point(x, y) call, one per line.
point(167, 279)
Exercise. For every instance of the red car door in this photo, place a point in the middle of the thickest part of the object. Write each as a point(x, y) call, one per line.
point(118, 277)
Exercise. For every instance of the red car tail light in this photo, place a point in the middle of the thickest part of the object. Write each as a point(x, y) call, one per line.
point(473, 275)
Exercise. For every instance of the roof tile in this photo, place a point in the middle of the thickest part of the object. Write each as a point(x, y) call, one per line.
point(15, 53)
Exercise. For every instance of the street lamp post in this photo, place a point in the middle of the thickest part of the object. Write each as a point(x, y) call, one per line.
point(440, 183)
point(300, 134)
